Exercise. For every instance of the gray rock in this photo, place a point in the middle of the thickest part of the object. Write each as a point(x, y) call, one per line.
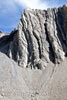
point(39, 42)
point(18, 83)
point(41, 38)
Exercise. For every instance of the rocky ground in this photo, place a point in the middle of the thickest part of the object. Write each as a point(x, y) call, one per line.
point(17, 83)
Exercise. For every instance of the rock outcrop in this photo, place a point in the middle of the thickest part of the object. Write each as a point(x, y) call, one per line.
point(41, 38)
point(39, 42)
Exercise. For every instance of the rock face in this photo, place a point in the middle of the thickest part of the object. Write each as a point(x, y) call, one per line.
point(41, 38)
point(40, 42)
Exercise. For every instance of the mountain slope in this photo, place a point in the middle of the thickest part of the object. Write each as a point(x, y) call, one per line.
point(41, 38)
point(33, 58)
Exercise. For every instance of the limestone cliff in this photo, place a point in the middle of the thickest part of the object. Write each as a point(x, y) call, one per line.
point(41, 38)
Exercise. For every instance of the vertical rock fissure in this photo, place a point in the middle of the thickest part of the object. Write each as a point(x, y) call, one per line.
point(59, 21)
point(51, 52)
point(41, 40)
point(29, 40)
point(61, 34)
point(30, 48)
point(38, 45)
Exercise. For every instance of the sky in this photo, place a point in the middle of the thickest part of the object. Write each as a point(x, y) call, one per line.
point(11, 10)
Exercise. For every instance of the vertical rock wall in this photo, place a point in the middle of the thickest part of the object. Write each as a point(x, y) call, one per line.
point(41, 37)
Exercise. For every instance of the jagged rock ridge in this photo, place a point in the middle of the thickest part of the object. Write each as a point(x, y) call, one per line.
point(41, 38)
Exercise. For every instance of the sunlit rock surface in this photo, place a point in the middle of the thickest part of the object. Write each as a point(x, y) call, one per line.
point(33, 58)
point(41, 38)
